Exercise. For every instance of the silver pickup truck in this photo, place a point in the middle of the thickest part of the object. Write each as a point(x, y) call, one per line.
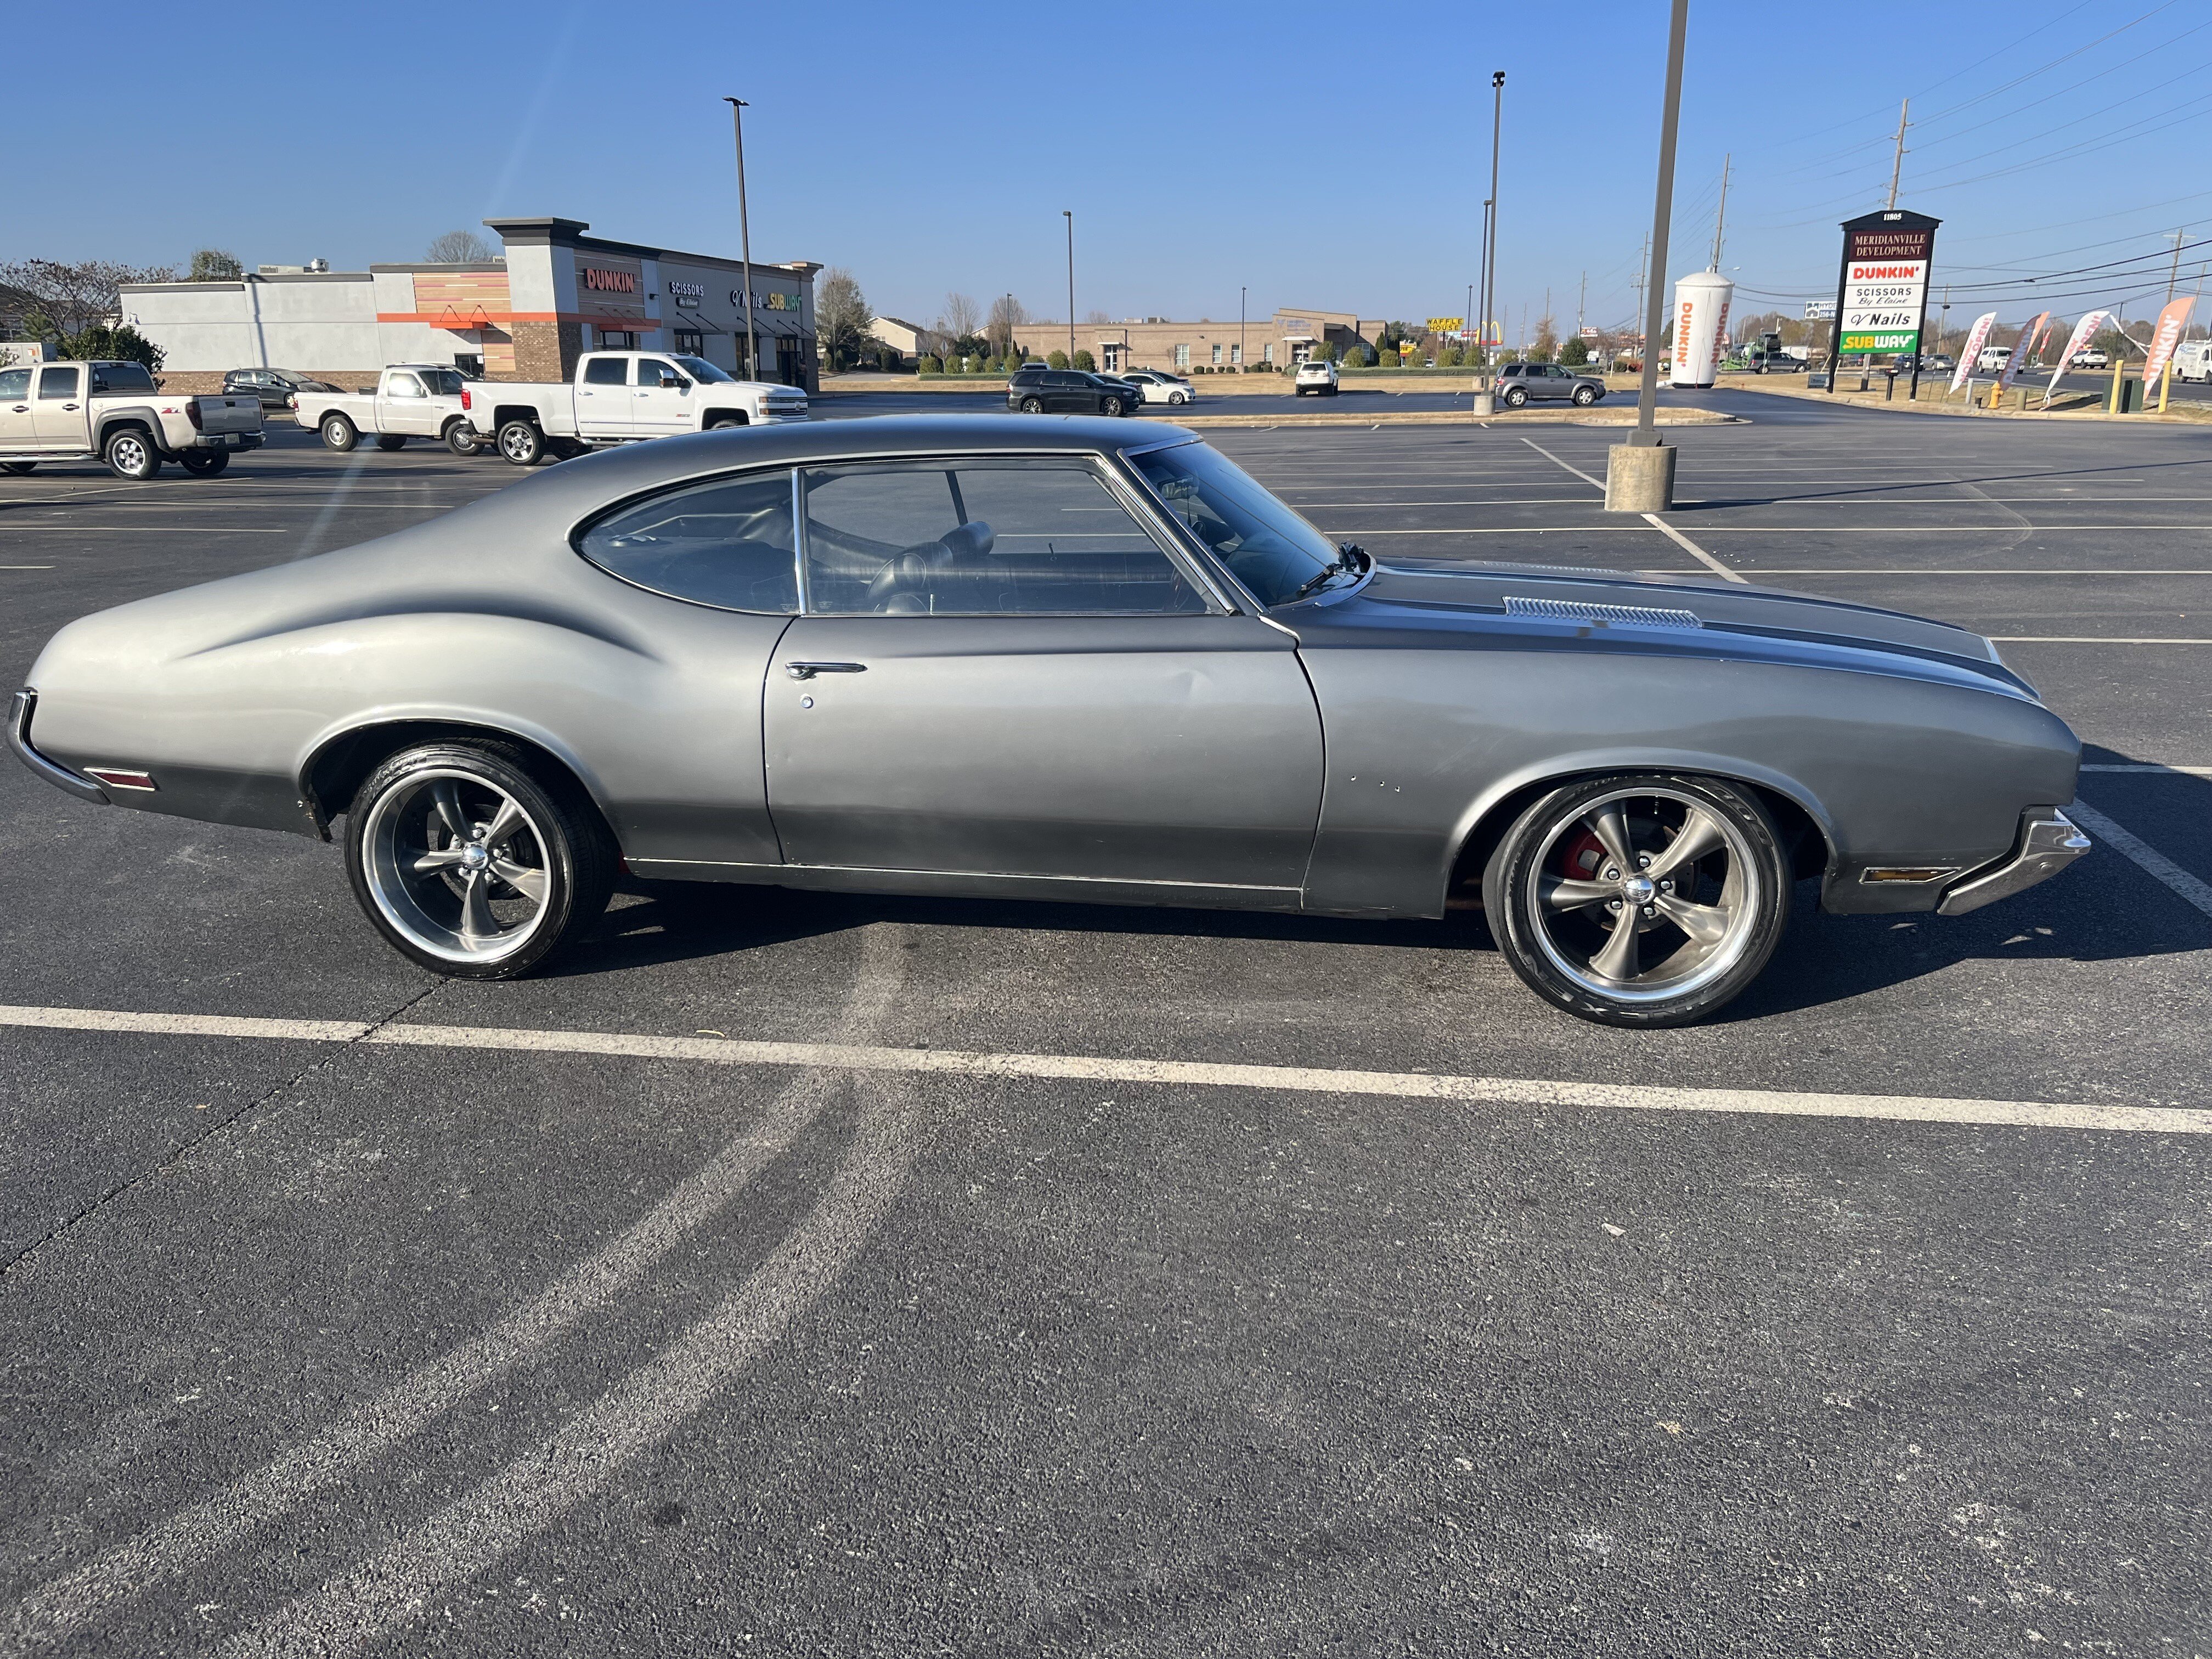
point(621, 397)
point(114, 412)
point(412, 400)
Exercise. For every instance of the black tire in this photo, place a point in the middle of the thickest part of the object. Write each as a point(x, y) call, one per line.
point(388, 441)
point(398, 821)
point(18, 469)
point(724, 426)
point(1297, 391)
point(1516, 397)
point(205, 463)
point(1585, 396)
point(1109, 407)
point(130, 453)
point(461, 438)
point(521, 444)
point(338, 432)
point(1328, 391)
point(1032, 405)
point(1561, 945)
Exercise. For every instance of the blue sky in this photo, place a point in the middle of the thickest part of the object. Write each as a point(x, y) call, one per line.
point(1318, 157)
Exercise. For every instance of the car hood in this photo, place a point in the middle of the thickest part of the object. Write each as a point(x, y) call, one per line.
point(1626, 611)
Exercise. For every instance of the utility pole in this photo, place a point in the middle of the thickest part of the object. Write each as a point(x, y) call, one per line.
point(1642, 257)
point(1068, 214)
point(738, 106)
point(1489, 278)
point(1241, 353)
point(1897, 167)
point(1581, 304)
point(1640, 473)
point(1481, 304)
point(1720, 219)
point(2174, 275)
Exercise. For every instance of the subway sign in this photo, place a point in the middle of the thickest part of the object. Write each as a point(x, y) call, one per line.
point(1881, 292)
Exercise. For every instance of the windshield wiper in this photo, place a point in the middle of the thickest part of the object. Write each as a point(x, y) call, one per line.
point(1352, 560)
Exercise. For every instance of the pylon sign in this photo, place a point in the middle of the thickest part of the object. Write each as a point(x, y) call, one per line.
point(1881, 290)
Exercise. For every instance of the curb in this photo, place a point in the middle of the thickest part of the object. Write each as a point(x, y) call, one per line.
point(1452, 417)
point(1885, 407)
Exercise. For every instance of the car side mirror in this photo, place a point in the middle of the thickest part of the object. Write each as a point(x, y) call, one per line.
point(672, 382)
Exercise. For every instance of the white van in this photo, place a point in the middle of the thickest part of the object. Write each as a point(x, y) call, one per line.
point(1992, 360)
point(2192, 360)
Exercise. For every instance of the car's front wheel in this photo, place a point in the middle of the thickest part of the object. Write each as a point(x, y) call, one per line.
point(461, 438)
point(471, 865)
point(1109, 406)
point(1585, 395)
point(1640, 899)
point(1178, 398)
point(204, 463)
point(18, 469)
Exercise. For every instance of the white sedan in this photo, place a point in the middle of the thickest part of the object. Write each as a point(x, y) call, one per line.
point(1159, 386)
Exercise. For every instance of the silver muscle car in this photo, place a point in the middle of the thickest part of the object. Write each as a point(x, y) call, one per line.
point(1069, 659)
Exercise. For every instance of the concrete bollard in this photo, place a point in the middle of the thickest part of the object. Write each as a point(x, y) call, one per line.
point(1639, 478)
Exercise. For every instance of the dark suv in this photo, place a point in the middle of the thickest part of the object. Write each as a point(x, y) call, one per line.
point(1036, 390)
point(275, 387)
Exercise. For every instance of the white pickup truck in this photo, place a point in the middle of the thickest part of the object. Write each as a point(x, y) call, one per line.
point(621, 397)
point(114, 412)
point(412, 400)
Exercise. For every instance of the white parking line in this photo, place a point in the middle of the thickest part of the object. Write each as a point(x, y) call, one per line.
point(2152, 862)
point(1091, 1068)
point(1595, 483)
point(1691, 548)
point(9, 528)
point(2085, 639)
point(2153, 766)
point(1907, 570)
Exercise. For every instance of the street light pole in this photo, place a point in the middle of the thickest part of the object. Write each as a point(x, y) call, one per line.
point(1496, 127)
point(738, 106)
point(1640, 473)
point(1241, 353)
point(1068, 214)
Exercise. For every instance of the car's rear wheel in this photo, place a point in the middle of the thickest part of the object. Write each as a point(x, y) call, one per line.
point(1585, 395)
point(205, 463)
point(130, 453)
point(470, 865)
point(18, 469)
point(461, 438)
point(339, 434)
point(1644, 899)
point(1517, 397)
point(1032, 405)
point(389, 441)
point(522, 443)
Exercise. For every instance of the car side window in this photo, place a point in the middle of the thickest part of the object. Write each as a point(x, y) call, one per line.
point(605, 371)
point(403, 386)
point(983, 536)
point(727, 543)
point(15, 385)
point(650, 369)
point(56, 383)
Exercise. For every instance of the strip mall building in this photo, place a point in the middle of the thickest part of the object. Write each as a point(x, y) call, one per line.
point(556, 293)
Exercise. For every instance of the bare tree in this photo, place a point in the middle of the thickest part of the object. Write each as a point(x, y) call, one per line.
point(1006, 316)
point(459, 247)
point(71, 297)
point(960, 317)
point(1096, 317)
point(841, 317)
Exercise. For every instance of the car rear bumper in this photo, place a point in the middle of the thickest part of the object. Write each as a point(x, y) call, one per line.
point(2048, 843)
point(19, 739)
point(226, 440)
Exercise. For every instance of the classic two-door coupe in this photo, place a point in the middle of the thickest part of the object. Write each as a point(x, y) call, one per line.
point(1075, 659)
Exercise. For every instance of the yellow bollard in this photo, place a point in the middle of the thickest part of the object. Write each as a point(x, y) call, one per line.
point(2113, 407)
point(2165, 385)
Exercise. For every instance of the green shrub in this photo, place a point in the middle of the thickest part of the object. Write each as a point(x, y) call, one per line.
point(1055, 359)
point(1353, 357)
point(929, 366)
point(1084, 361)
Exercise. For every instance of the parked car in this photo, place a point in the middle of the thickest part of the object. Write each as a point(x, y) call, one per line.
point(274, 387)
point(410, 400)
point(1317, 375)
point(1521, 383)
point(2192, 360)
point(116, 413)
point(619, 397)
point(875, 657)
point(1038, 390)
point(1156, 386)
point(1992, 360)
point(2092, 358)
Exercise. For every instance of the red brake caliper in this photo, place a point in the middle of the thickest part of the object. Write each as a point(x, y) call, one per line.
point(1581, 858)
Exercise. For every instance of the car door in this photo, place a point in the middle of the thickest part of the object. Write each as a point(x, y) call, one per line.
point(17, 429)
point(1000, 672)
point(58, 413)
point(603, 398)
point(1065, 392)
point(404, 406)
point(660, 399)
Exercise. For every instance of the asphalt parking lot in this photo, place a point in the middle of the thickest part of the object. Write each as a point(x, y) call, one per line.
point(1130, 1282)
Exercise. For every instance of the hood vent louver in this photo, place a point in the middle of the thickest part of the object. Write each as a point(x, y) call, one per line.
point(1581, 611)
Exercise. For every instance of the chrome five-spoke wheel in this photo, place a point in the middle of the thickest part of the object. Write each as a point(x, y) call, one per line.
point(1639, 901)
point(469, 864)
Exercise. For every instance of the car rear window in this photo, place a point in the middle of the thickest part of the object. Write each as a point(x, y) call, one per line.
point(727, 543)
point(120, 377)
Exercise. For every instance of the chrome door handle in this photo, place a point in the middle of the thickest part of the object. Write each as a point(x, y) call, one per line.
point(807, 671)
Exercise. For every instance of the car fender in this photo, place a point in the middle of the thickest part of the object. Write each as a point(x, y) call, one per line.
point(144, 415)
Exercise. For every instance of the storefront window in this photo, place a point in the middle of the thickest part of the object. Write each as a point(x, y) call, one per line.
point(691, 340)
point(1182, 356)
point(1216, 354)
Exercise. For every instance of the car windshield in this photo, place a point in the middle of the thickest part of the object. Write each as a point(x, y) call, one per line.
point(1268, 547)
point(700, 370)
point(442, 382)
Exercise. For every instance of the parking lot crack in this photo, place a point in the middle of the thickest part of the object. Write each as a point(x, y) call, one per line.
point(184, 1149)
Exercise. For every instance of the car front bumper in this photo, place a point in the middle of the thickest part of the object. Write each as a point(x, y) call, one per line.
point(2049, 842)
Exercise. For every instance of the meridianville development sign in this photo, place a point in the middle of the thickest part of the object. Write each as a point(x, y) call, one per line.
point(1881, 292)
